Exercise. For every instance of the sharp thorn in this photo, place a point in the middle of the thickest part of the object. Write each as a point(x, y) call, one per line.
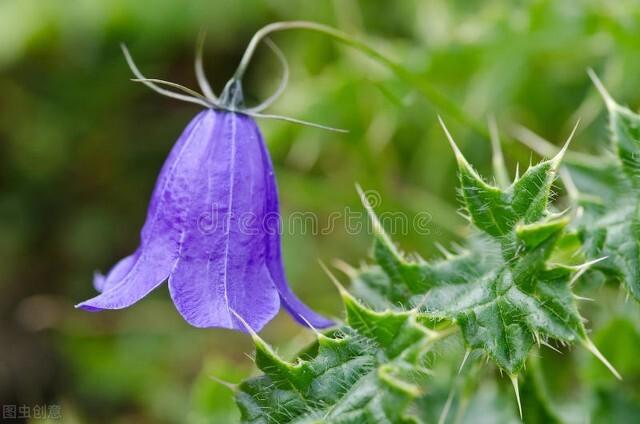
point(454, 146)
point(464, 360)
point(514, 381)
point(333, 279)
point(608, 100)
point(443, 250)
point(231, 386)
point(497, 159)
point(588, 344)
point(346, 268)
point(558, 157)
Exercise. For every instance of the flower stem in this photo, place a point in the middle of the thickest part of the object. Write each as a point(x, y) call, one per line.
point(427, 90)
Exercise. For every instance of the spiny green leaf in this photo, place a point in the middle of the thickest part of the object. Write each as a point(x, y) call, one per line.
point(496, 211)
point(489, 207)
point(610, 198)
point(502, 291)
point(534, 234)
point(625, 135)
point(501, 306)
point(367, 371)
point(529, 194)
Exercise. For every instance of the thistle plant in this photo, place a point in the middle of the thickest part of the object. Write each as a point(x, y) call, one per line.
point(368, 370)
point(503, 290)
point(507, 289)
point(608, 224)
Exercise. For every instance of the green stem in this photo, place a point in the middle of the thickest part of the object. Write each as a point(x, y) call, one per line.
point(427, 90)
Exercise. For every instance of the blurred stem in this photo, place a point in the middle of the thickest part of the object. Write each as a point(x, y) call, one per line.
point(497, 158)
point(540, 388)
point(416, 81)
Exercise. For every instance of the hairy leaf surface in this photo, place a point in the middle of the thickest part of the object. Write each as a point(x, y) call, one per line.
point(502, 291)
point(609, 194)
point(367, 371)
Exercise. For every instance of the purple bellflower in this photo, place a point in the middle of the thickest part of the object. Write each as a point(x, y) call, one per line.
point(213, 225)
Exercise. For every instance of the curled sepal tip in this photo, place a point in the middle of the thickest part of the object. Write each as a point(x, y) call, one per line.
point(203, 82)
point(153, 86)
point(232, 98)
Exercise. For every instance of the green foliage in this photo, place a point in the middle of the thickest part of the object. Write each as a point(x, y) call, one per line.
point(610, 224)
point(502, 291)
point(508, 289)
point(81, 146)
point(367, 371)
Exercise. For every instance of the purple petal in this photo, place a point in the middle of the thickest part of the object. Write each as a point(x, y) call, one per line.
point(221, 265)
point(98, 281)
point(205, 231)
point(115, 274)
point(173, 188)
point(164, 226)
point(149, 270)
point(296, 308)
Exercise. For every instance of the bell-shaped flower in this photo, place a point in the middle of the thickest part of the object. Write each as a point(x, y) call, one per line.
point(213, 225)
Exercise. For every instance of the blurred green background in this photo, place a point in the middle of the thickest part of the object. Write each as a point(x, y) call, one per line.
point(81, 145)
